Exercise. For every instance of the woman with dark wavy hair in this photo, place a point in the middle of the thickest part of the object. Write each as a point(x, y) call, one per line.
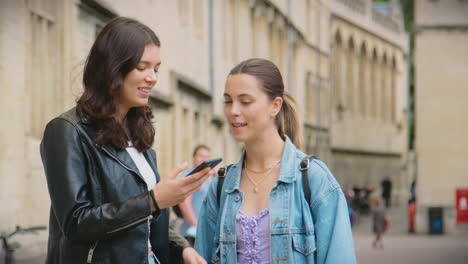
point(108, 203)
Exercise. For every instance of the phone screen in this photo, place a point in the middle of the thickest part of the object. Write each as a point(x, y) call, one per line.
point(209, 163)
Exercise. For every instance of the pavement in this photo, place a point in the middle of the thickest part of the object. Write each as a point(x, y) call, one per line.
point(401, 247)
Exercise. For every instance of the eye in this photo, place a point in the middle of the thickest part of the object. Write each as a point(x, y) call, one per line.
point(140, 68)
point(227, 102)
point(246, 103)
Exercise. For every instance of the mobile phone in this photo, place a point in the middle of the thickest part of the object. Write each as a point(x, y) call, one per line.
point(209, 163)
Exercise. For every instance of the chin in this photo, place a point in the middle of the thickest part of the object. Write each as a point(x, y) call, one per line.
point(141, 103)
point(240, 138)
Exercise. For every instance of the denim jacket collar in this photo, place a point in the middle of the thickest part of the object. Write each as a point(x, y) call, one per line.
point(287, 172)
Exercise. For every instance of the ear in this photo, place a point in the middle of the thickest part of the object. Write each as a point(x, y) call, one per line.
point(276, 106)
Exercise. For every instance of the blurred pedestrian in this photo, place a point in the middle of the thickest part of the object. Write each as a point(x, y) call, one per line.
point(413, 190)
point(387, 191)
point(379, 221)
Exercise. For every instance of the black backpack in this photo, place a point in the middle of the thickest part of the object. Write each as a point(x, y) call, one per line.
point(305, 180)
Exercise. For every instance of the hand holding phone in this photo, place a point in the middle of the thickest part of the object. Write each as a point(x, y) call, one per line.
point(209, 163)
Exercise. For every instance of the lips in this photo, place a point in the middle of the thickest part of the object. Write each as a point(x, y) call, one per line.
point(145, 90)
point(238, 125)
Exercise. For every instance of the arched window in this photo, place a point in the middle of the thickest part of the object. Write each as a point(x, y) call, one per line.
point(337, 67)
point(373, 86)
point(362, 86)
point(393, 88)
point(384, 98)
point(350, 89)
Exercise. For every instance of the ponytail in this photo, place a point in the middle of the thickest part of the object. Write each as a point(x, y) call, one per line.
point(287, 120)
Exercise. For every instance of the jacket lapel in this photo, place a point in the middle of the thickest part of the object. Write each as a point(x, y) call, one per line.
point(124, 159)
point(151, 158)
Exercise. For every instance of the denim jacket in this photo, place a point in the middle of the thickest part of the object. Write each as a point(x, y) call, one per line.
point(320, 233)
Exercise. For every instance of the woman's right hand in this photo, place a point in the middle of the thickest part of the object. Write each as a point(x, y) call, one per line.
point(172, 190)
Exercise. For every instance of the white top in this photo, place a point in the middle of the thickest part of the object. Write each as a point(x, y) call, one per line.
point(144, 168)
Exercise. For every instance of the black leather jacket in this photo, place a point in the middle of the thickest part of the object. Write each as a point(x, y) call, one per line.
point(100, 205)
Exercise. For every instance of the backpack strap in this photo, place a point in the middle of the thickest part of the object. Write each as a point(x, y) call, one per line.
point(305, 179)
point(221, 175)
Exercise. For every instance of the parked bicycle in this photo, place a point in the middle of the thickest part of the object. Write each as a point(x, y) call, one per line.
point(9, 248)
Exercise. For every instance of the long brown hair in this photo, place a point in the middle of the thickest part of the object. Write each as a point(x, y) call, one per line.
point(116, 52)
point(269, 76)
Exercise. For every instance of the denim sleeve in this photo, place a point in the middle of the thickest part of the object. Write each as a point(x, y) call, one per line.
point(207, 220)
point(334, 240)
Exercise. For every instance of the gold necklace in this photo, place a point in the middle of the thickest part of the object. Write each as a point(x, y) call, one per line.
point(257, 184)
point(261, 172)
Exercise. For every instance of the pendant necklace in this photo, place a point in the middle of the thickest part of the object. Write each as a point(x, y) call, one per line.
point(252, 181)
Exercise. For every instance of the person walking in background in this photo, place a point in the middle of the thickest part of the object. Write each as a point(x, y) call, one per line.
point(387, 191)
point(190, 207)
point(379, 222)
point(263, 214)
point(108, 203)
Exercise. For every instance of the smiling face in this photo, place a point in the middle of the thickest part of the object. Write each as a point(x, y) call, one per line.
point(138, 83)
point(248, 110)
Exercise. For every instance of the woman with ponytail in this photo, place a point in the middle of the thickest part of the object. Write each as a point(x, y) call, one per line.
point(262, 214)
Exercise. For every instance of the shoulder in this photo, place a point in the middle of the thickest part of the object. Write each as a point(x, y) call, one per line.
point(69, 127)
point(321, 180)
point(65, 121)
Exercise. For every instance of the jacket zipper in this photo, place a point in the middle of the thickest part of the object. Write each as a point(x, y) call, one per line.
point(147, 218)
point(91, 252)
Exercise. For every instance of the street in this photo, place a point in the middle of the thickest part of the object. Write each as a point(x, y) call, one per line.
point(401, 247)
point(413, 249)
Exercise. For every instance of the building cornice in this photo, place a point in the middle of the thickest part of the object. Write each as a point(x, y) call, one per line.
point(442, 27)
point(365, 152)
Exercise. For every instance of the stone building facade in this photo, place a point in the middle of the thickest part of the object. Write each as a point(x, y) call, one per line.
point(368, 110)
point(441, 77)
point(344, 63)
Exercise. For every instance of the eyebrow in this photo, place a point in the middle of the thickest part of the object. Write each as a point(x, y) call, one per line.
point(240, 95)
point(148, 63)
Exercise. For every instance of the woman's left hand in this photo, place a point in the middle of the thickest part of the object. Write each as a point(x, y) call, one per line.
point(192, 257)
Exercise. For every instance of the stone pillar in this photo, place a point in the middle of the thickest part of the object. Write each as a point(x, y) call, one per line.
point(383, 90)
point(357, 82)
point(343, 79)
point(362, 97)
point(393, 87)
point(349, 86)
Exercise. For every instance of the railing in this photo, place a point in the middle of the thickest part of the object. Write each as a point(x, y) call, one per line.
point(357, 5)
point(385, 21)
point(8, 247)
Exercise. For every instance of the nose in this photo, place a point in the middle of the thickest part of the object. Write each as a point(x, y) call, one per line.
point(235, 109)
point(152, 77)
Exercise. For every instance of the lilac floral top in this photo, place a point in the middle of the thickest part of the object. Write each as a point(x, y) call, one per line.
point(253, 238)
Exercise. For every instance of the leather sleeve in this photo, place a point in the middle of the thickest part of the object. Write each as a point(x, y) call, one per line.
point(67, 172)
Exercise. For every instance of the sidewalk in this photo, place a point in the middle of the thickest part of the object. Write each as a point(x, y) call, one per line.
point(398, 222)
point(401, 247)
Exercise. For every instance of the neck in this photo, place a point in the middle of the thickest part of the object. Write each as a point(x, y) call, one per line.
point(121, 115)
point(264, 151)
